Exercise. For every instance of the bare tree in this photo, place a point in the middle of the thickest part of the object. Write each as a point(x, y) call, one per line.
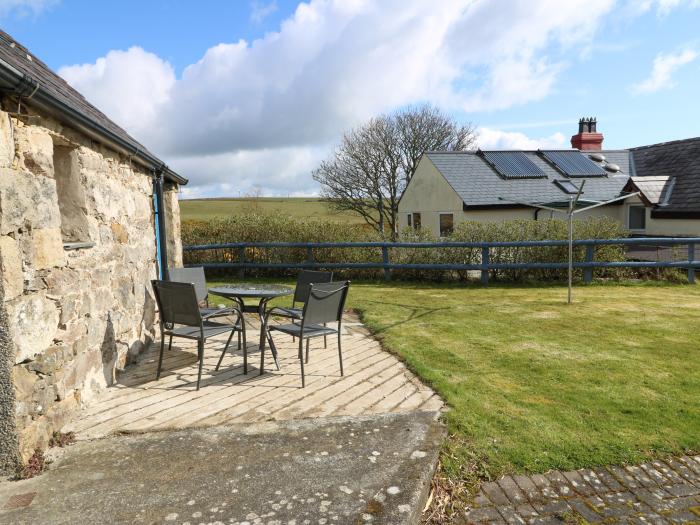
point(371, 167)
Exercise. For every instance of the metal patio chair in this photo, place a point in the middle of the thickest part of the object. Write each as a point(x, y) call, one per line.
point(301, 292)
point(178, 305)
point(324, 304)
point(195, 275)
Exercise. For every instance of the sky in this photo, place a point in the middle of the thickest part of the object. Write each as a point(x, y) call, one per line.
point(248, 96)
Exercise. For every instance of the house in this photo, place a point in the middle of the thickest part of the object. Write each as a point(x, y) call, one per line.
point(450, 187)
point(88, 216)
point(667, 177)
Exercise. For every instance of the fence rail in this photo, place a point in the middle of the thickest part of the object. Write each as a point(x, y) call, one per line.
point(484, 266)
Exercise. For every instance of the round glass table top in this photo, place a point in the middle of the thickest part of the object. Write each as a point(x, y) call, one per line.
point(251, 290)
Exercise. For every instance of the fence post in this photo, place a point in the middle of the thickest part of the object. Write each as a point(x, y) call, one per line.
point(485, 265)
point(385, 260)
point(588, 272)
point(241, 260)
point(310, 256)
point(691, 258)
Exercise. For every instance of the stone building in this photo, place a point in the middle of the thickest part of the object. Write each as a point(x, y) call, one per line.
point(79, 242)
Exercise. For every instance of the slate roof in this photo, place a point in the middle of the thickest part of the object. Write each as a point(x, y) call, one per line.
point(58, 89)
point(680, 160)
point(655, 189)
point(479, 185)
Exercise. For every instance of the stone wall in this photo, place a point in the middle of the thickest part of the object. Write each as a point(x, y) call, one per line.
point(75, 317)
point(172, 226)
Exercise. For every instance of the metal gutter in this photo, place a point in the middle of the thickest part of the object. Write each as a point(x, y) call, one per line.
point(13, 79)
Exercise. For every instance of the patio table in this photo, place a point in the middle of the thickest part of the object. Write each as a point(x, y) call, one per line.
point(238, 292)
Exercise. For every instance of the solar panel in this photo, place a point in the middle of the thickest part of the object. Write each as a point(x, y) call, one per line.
point(573, 164)
point(513, 164)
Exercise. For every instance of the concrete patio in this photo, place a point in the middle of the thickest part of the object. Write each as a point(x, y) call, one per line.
point(375, 382)
point(246, 449)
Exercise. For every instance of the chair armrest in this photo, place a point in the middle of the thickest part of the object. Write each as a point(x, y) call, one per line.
point(221, 312)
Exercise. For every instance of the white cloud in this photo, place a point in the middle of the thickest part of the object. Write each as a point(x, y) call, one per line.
point(330, 66)
point(489, 138)
point(665, 65)
point(663, 7)
point(259, 11)
point(280, 171)
point(129, 86)
point(24, 7)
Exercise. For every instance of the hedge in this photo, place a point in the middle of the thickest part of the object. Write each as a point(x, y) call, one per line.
point(254, 227)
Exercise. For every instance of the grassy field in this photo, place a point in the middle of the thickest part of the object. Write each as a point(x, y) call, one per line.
point(300, 207)
point(535, 384)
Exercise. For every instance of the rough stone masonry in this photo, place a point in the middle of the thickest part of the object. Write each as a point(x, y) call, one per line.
point(77, 252)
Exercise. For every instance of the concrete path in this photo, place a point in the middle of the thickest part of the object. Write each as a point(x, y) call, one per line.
point(372, 469)
point(657, 492)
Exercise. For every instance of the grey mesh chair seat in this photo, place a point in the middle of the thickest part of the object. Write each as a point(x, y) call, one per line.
point(309, 331)
point(209, 329)
point(197, 277)
point(324, 304)
point(208, 313)
point(292, 313)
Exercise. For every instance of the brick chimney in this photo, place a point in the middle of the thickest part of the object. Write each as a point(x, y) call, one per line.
point(587, 138)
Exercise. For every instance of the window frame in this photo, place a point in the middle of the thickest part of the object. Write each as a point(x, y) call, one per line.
point(408, 219)
point(417, 224)
point(644, 217)
point(452, 215)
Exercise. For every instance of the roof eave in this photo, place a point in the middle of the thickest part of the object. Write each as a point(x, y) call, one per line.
point(10, 78)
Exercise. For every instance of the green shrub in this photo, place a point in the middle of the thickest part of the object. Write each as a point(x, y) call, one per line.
point(254, 227)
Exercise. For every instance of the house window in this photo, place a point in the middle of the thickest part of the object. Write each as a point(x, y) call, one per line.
point(637, 218)
point(71, 196)
point(416, 221)
point(446, 224)
point(408, 217)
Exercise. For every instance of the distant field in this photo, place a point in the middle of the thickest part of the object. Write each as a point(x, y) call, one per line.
point(292, 206)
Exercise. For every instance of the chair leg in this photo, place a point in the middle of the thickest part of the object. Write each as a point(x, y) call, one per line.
point(307, 350)
point(340, 354)
point(200, 351)
point(239, 340)
point(223, 352)
point(245, 358)
point(160, 359)
point(325, 339)
point(170, 343)
point(262, 359)
point(245, 348)
point(301, 361)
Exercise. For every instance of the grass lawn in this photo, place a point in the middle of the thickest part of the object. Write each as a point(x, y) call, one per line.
point(301, 207)
point(536, 384)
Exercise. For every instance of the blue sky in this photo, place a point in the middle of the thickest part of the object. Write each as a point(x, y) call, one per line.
point(239, 95)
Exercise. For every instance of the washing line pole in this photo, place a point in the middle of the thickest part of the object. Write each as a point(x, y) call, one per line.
point(573, 200)
point(570, 212)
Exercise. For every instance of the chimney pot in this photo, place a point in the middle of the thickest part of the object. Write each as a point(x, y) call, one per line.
point(587, 138)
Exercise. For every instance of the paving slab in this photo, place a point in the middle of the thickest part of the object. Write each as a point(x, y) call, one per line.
point(658, 492)
point(367, 469)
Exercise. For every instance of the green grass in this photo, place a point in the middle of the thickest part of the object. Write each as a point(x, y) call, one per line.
point(536, 384)
point(298, 207)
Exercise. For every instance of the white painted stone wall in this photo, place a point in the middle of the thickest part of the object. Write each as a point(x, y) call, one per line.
point(76, 317)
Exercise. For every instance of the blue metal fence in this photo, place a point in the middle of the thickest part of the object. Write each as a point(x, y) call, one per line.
point(691, 264)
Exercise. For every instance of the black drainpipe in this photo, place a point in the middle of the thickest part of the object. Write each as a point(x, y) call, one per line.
point(160, 223)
